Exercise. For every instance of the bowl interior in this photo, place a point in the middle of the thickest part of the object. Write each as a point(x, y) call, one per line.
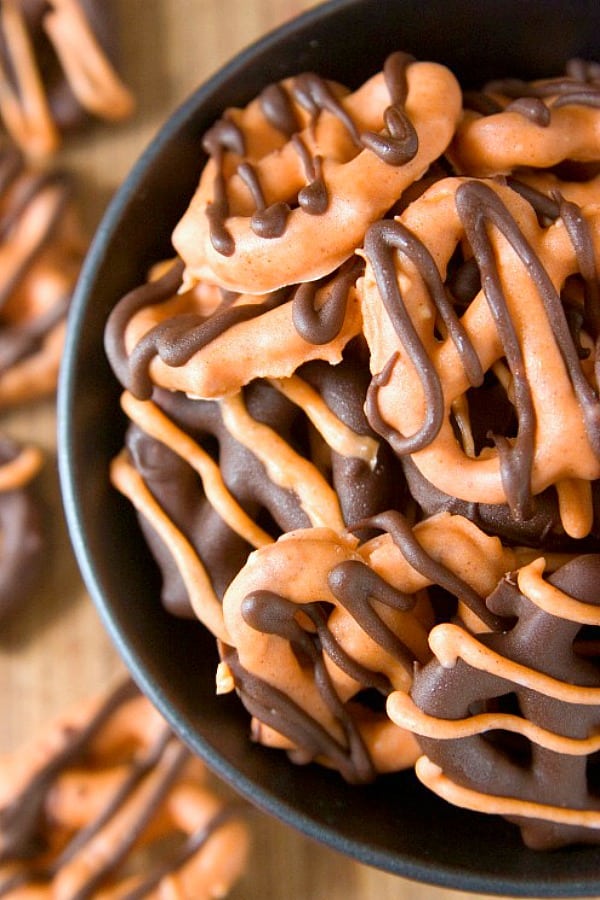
point(393, 824)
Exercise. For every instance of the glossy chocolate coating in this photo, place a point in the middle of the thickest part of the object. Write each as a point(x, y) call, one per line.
point(506, 768)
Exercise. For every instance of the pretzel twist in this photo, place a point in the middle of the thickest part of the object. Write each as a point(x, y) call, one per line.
point(316, 618)
point(28, 112)
point(295, 178)
point(292, 453)
point(425, 356)
point(210, 346)
point(538, 124)
point(536, 683)
point(103, 787)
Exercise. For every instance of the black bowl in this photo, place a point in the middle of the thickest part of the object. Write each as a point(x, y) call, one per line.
point(394, 824)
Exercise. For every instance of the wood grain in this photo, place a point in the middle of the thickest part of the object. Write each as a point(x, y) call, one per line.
point(53, 650)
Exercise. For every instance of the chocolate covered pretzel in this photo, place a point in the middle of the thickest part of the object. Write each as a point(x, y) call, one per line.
point(21, 532)
point(56, 68)
point(508, 723)
point(108, 803)
point(291, 454)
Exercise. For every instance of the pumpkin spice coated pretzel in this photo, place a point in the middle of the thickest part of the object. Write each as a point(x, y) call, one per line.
point(55, 68)
point(316, 619)
point(294, 179)
point(539, 124)
point(210, 343)
point(426, 355)
point(109, 804)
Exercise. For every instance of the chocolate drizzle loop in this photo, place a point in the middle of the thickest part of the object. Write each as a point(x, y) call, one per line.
point(532, 108)
point(273, 707)
point(479, 205)
point(583, 245)
point(223, 136)
point(175, 340)
point(381, 239)
point(267, 221)
point(399, 529)
point(399, 143)
point(355, 585)
point(319, 326)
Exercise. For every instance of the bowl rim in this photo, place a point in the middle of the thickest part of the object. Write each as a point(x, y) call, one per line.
point(422, 870)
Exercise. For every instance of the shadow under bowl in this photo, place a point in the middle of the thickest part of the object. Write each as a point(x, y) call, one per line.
point(393, 824)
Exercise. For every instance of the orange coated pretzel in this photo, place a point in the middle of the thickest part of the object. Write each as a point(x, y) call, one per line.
point(315, 620)
point(538, 124)
point(425, 356)
point(210, 346)
point(84, 811)
point(296, 177)
point(41, 252)
point(24, 103)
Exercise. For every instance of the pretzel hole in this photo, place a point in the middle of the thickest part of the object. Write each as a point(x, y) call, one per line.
point(573, 299)
point(265, 520)
point(482, 412)
point(370, 699)
point(514, 747)
point(593, 773)
point(463, 278)
point(306, 621)
point(587, 643)
point(444, 604)
point(576, 170)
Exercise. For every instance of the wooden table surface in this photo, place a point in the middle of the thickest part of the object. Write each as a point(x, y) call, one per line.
point(53, 650)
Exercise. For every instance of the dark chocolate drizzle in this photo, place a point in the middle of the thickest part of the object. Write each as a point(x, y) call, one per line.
point(21, 824)
point(398, 527)
point(178, 338)
point(174, 340)
point(396, 145)
point(224, 136)
point(275, 709)
point(381, 240)
point(532, 108)
point(479, 207)
point(579, 87)
point(399, 143)
point(581, 238)
point(323, 325)
point(478, 204)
